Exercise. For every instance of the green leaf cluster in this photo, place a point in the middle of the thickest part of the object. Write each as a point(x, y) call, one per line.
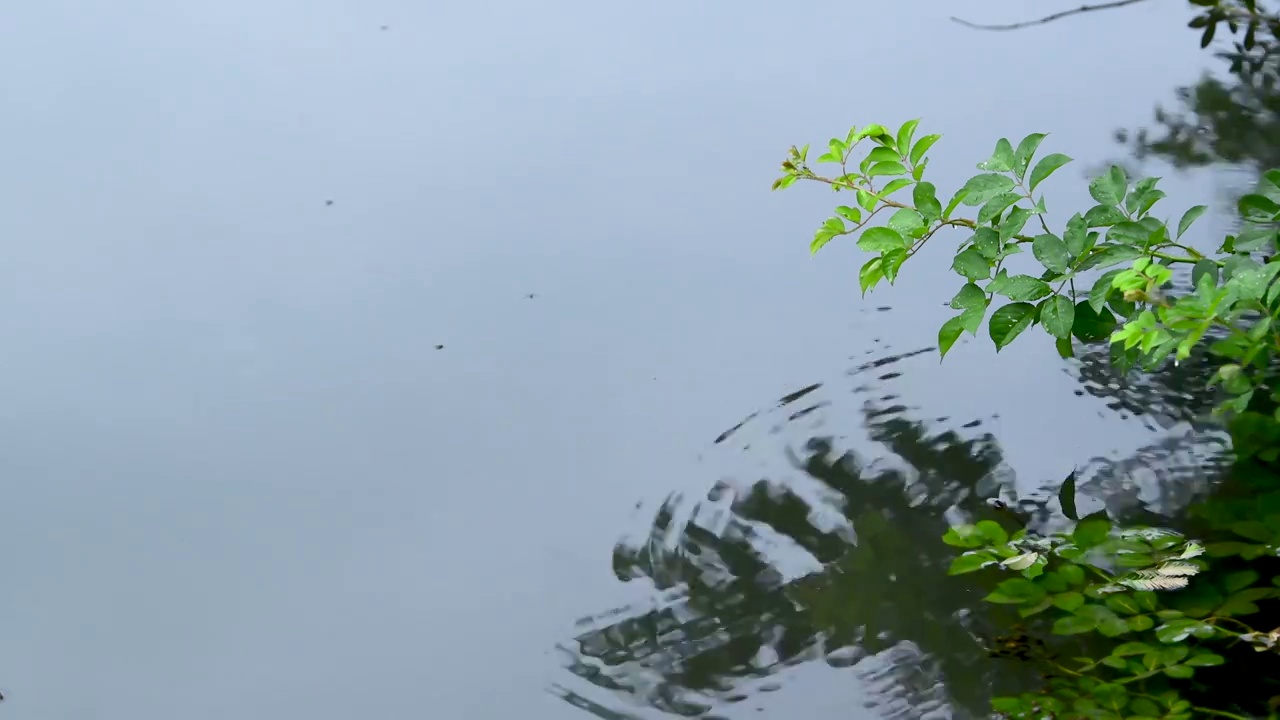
point(1106, 276)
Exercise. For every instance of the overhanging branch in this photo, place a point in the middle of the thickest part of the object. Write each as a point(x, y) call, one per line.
point(1048, 18)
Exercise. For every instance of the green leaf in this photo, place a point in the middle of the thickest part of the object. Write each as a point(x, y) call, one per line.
point(1076, 236)
point(982, 188)
point(1181, 672)
point(853, 215)
point(1237, 264)
point(1189, 217)
point(1019, 288)
point(1132, 648)
point(1026, 149)
point(1014, 222)
point(1144, 709)
point(1001, 159)
point(1067, 496)
point(1064, 347)
point(970, 296)
point(880, 154)
point(949, 333)
point(955, 202)
point(891, 261)
point(1035, 609)
point(970, 264)
point(969, 562)
point(1092, 531)
point(1113, 627)
point(1128, 233)
point(881, 239)
point(1273, 177)
point(1058, 315)
point(906, 132)
point(1174, 655)
point(993, 532)
point(1073, 624)
point(1053, 582)
point(1091, 326)
point(987, 241)
point(997, 205)
point(1073, 574)
point(1123, 604)
point(1258, 208)
point(907, 222)
point(1008, 322)
point(1008, 705)
point(1253, 530)
point(866, 200)
point(1206, 659)
point(1254, 239)
point(1226, 549)
point(1252, 282)
point(925, 196)
point(1109, 189)
point(1176, 631)
point(1052, 252)
point(1047, 165)
point(1103, 216)
point(886, 168)
point(1118, 663)
point(893, 186)
point(964, 536)
point(972, 319)
point(1108, 255)
point(1203, 268)
point(922, 146)
point(1140, 623)
point(1069, 601)
point(1239, 580)
point(1021, 587)
point(1102, 289)
point(1242, 603)
point(871, 273)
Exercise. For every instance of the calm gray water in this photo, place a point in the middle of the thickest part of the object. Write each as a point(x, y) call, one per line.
point(240, 478)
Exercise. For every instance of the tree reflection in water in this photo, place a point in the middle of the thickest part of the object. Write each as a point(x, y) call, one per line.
point(845, 565)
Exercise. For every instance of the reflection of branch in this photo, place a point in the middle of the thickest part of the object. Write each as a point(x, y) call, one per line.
point(1048, 18)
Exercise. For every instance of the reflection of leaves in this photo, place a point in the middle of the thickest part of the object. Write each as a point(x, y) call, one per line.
point(1172, 394)
point(1235, 121)
point(880, 584)
point(845, 562)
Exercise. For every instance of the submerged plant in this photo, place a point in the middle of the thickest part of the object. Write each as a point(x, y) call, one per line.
point(1138, 590)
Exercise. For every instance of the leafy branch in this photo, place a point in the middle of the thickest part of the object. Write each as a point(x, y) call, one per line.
point(1131, 305)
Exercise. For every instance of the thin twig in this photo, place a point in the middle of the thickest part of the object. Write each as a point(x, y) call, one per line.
point(1047, 18)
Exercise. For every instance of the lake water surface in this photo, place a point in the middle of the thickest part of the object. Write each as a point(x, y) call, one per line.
point(267, 456)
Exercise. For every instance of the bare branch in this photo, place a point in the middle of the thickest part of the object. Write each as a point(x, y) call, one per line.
point(1048, 18)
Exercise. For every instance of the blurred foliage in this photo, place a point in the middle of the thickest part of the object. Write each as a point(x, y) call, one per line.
point(1232, 117)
